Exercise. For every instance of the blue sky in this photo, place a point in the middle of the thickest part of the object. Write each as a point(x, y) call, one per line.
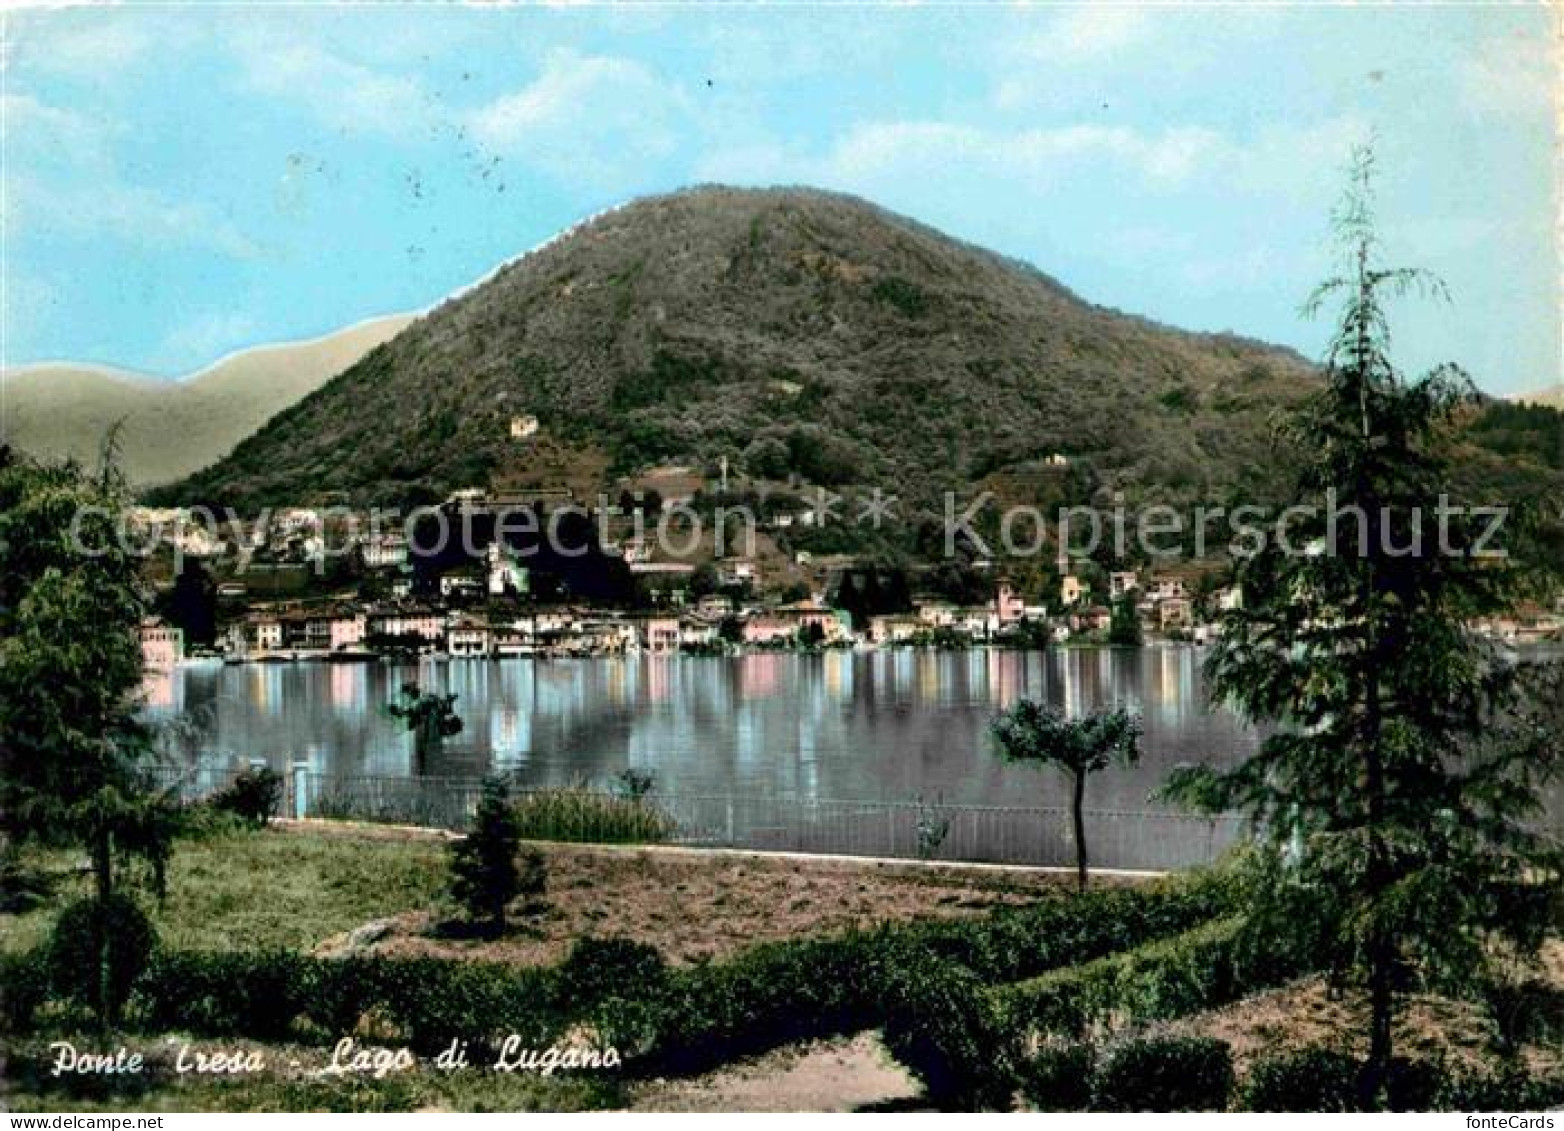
point(180, 184)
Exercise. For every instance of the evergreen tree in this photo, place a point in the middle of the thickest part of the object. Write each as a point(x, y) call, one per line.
point(73, 753)
point(1394, 794)
point(1038, 734)
point(485, 875)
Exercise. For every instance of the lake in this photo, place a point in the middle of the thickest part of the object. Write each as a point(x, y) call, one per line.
point(885, 727)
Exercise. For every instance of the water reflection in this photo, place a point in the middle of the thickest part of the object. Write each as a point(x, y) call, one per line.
point(892, 725)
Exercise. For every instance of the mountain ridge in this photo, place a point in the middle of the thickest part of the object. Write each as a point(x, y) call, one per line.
point(760, 324)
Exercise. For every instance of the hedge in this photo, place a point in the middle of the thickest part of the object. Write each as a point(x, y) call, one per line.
point(660, 1019)
point(1165, 979)
point(1165, 1074)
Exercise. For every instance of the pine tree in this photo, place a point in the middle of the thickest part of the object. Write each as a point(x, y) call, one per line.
point(485, 875)
point(1393, 796)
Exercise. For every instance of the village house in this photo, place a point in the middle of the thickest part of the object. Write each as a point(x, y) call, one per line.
point(738, 571)
point(657, 634)
point(263, 633)
point(892, 628)
point(1175, 613)
point(411, 621)
point(697, 632)
point(1072, 590)
point(162, 644)
point(347, 631)
point(469, 637)
point(523, 426)
point(384, 551)
point(1008, 607)
point(464, 582)
point(506, 575)
point(715, 606)
point(1096, 618)
point(1166, 589)
point(1122, 582)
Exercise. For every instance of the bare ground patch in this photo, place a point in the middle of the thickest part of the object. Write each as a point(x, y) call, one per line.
point(1309, 1012)
point(696, 905)
point(845, 1074)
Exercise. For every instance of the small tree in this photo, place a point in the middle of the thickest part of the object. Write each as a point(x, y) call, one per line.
point(485, 876)
point(430, 716)
point(1038, 734)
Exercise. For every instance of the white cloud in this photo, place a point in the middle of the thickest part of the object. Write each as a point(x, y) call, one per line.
point(108, 209)
point(890, 152)
point(93, 45)
point(1089, 33)
point(1512, 75)
point(589, 119)
point(341, 93)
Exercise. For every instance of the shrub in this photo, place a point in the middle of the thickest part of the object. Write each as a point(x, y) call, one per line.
point(254, 796)
point(1510, 1088)
point(255, 995)
point(97, 950)
point(583, 816)
point(484, 874)
point(1164, 979)
point(620, 986)
point(1058, 1076)
point(24, 987)
point(1165, 1074)
point(1313, 1078)
point(943, 1027)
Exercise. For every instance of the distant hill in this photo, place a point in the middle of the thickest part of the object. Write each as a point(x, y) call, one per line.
point(172, 428)
point(799, 334)
point(1551, 398)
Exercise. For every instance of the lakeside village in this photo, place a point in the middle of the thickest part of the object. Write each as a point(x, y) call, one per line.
point(379, 600)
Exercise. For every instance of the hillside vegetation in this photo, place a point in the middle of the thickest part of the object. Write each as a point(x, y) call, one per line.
point(795, 332)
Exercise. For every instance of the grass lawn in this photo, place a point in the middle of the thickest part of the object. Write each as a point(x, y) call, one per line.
point(250, 890)
point(299, 886)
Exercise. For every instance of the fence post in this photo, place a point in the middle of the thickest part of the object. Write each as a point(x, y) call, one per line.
point(301, 787)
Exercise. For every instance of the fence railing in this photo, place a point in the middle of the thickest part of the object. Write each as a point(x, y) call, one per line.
point(1037, 835)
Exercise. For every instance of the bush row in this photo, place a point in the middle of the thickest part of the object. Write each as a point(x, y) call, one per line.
point(670, 1020)
point(1183, 1073)
point(1205, 967)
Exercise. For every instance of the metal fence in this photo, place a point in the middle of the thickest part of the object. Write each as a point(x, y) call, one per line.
point(1036, 835)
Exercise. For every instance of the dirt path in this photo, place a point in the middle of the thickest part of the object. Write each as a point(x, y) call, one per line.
point(846, 1074)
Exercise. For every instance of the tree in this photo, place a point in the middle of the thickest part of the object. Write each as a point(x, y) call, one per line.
point(73, 753)
point(485, 876)
point(1038, 734)
point(1392, 795)
point(1124, 628)
point(431, 717)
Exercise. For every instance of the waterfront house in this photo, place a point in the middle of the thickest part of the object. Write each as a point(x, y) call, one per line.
point(657, 634)
point(162, 644)
point(469, 637)
point(893, 628)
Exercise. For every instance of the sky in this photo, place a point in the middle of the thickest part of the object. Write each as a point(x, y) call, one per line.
point(179, 184)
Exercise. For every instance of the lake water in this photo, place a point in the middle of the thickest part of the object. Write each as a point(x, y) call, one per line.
point(821, 753)
point(889, 725)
